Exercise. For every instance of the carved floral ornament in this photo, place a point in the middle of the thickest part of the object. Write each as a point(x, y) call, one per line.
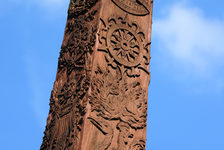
point(125, 46)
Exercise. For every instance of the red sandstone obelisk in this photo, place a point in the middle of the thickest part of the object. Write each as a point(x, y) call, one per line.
point(99, 99)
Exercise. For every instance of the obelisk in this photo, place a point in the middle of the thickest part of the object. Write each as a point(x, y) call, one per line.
point(99, 98)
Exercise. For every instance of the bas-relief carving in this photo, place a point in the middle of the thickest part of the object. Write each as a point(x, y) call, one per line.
point(125, 46)
point(78, 7)
point(67, 111)
point(124, 104)
point(134, 7)
point(112, 98)
point(80, 33)
point(116, 105)
point(68, 101)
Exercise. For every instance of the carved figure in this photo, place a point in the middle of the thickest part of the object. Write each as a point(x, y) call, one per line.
point(112, 99)
point(124, 45)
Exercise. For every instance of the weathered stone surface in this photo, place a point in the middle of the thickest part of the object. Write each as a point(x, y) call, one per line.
point(99, 99)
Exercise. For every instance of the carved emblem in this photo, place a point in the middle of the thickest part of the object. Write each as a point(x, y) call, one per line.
point(135, 7)
point(125, 46)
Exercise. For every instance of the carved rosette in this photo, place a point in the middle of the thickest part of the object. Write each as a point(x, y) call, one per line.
point(125, 46)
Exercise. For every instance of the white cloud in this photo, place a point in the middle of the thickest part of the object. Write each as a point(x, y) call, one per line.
point(189, 37)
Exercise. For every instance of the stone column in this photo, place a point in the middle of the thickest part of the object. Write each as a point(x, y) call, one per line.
point(99, 98)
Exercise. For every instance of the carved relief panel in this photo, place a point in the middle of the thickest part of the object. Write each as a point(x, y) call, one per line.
point(69, 96)
point(117, 105)
point(99, 100)
point(120, 75)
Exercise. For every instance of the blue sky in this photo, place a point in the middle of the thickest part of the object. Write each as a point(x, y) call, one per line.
point(186, 93)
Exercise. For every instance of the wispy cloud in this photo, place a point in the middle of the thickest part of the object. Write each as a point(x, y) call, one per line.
point(190, 38)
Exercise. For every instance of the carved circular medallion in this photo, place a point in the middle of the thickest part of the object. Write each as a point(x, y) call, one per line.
point(135, 7)
point(124, 45)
